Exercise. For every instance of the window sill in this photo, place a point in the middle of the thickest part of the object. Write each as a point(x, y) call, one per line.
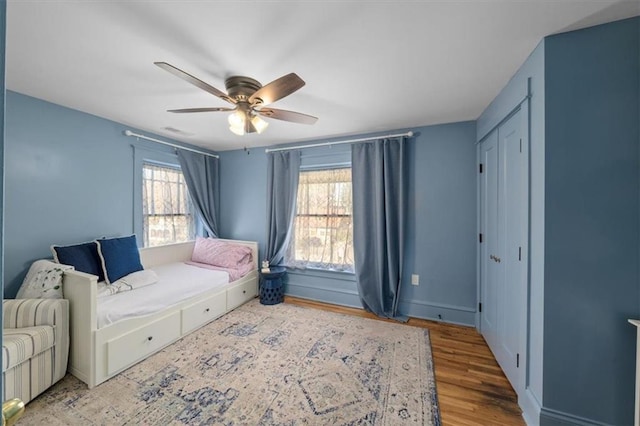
point(170, 243)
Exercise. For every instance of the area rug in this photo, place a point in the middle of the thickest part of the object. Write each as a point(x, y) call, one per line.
point(264, 365)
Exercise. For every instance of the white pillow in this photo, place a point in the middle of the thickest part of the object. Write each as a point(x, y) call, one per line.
point(43, 281)
point(129, 282)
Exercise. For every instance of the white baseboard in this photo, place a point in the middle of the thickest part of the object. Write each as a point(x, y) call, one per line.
point(550, 417)
point(531, 408)
point(459, 315)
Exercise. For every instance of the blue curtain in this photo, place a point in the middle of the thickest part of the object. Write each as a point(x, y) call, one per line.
point(201, 174)
point(283, 170)
point(379, 198)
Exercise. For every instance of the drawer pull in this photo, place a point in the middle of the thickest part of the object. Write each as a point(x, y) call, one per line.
point(150, 338)
point(244, 291)
point(207, 310)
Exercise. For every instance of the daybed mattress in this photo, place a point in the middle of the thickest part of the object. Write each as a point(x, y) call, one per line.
point(176, 282)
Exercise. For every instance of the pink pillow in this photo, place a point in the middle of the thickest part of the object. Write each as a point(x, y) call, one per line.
point(220, 253)
point(234, 274)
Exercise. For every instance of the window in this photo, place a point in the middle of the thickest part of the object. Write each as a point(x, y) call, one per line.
point(323, 234)
point(166, 209)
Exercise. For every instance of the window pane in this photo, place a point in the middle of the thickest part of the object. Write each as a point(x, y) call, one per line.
point(323, 236)
point(166, 209)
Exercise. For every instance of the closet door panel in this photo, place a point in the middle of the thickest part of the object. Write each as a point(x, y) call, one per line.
point(490, 272)
point(510, 219)
point(503, 271)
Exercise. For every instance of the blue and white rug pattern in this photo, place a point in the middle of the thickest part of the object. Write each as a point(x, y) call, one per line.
point(264, 365)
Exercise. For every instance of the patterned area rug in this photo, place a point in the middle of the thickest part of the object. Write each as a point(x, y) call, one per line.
point(264, 365)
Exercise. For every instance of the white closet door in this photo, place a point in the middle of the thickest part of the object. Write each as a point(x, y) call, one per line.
point(503, 271)
point(511, 219)
point(490, 271)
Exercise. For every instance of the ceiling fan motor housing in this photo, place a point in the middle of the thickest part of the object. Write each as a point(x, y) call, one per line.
point(241, 88)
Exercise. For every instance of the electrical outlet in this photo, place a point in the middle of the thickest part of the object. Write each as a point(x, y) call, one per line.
point(415, 279)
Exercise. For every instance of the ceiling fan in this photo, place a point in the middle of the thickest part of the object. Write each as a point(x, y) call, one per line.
point(250, 99)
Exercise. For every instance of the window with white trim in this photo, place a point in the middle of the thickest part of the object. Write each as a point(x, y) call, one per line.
point(323, 231)
point(167, 213)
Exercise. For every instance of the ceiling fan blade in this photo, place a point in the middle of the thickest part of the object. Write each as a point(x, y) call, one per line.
point(195, 81)
point(277, 89)
point(281, 114)
point(213, 109)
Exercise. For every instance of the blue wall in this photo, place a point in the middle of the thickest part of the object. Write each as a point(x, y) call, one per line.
point(591, 215)
point(243, 201)
point(441, 237)
point(69, 178)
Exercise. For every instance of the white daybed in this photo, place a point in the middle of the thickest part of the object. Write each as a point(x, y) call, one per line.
point(97, 354)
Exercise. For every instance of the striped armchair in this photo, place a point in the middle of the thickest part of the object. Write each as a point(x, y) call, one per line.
point(35, 346)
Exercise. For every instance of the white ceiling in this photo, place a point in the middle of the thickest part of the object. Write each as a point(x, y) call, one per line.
point(369, 65)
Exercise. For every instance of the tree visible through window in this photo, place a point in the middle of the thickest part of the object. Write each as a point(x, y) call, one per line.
point(166, 208)
point(323, 236)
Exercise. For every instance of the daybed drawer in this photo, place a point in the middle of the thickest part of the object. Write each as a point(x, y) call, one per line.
point(240, 293)
point(193, 316)
point(137, 344)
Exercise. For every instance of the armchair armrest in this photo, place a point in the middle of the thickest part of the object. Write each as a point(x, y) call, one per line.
point(19, 313)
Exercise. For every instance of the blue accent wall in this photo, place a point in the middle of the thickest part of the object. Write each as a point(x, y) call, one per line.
point(441, 237)
point(441, 224)
point(591, 216)
point(69, 178)
point(243, 200)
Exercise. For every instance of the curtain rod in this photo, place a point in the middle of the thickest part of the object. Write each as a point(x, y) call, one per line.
point(130, 133)
point(409, 134)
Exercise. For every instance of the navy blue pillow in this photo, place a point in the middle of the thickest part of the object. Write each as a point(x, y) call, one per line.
point(119, 257)
point(83, 257)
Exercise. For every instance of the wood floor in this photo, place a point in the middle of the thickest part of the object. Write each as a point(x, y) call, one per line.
point(472, 390)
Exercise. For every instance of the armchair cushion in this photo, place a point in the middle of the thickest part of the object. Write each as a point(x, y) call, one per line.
point(20, 344)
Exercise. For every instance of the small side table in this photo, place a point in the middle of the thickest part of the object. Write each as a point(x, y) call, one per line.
point(271, 290)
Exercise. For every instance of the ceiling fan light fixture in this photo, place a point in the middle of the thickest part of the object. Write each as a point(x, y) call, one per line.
point(237, 121)
point(259, 123)
point(237, 130)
